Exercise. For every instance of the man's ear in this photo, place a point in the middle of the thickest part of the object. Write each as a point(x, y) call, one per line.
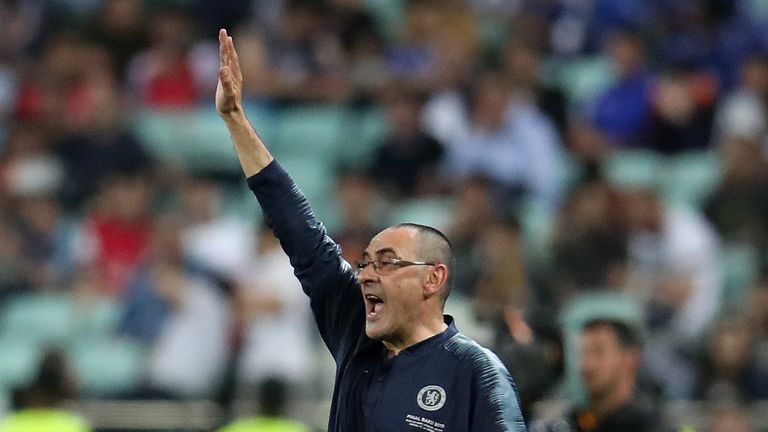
point(436, 279)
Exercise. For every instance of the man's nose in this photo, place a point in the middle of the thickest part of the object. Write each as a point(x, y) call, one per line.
point(367, 274)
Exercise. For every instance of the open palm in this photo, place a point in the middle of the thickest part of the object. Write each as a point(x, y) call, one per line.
point(229, 91)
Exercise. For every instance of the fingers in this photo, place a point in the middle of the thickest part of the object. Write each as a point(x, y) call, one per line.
point(225, 76)
point(222, 48)
point(229, 67)
point(227, 55)
point(234, 63)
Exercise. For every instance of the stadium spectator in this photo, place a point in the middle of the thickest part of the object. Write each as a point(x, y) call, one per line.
point(610, 361)
point(741, 115)
point(116, 234)
point(590, 243)
point(275, 320)
point(169, 72)
point(360, 212)
point(212, 237)
point(190, 347)
point(622, 113)
point(40, 406)
point(120, 27)
point(682, 103)
point(738, 208)
point(510, 143)
point(674, 266)
point(728, 375)
point(406, 163)
point(273, 398)
point(300, 60)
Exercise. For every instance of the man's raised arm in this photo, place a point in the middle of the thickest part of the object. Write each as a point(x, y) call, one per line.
point(251, 151)
point(327, 279)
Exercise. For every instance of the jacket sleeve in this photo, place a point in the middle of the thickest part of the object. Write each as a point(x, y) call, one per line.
point(325, 276)
point(495, 407)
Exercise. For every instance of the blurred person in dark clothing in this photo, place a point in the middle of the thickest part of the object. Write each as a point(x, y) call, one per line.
point(15, 270)
point(475, 208)
point(523, 64)
point(610, 360)
point(31, 179)
point(683, 105)
point(739, 207)
point(504, 300)
point(406, 163)
point(364, 47)
point(99, 145)
point(120, 27)
point(503, 281)
point(360, 212)
point(300, 60)
point(729, 372)
point(532, 350)
point(590, 243)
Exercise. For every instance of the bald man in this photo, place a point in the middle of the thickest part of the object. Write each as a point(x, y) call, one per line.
point(401, 364)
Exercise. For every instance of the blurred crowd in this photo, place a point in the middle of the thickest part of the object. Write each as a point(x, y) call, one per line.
point(589, 159)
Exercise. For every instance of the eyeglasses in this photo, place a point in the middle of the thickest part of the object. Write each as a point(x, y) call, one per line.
point(387, 266)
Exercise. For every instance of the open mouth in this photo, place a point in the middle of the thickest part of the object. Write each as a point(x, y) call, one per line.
point(374, 305)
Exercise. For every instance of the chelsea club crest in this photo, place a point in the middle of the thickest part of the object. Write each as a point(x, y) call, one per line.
point(431, 398)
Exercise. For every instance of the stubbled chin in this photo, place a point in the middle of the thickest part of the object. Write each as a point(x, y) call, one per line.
point(373, 328)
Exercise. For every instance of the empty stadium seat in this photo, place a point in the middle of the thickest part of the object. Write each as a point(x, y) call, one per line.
point(19, 363)
point(38, 318)
point(107, 366)
point(309, 131)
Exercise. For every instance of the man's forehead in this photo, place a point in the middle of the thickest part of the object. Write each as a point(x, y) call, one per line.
point(400, 240)
point(600, 334)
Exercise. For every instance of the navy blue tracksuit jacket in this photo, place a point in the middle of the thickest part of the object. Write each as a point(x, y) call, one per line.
point(447, 383)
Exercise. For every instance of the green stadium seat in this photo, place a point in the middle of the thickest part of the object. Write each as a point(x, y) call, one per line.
point(311, 131)
point(741, 264)
point(571, 171)
point(96, 317)
point(436, 212)
point(107, 366)
point(690, 178)
point(364, 130)
point(19, 360)
point(582, 79)
point(537, 225)
point(388, 15)
point(633, 169)
point(196, 139)
point(39, 318)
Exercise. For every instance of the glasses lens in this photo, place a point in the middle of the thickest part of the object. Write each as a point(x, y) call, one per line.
point(385, 267)
point(360, 265)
